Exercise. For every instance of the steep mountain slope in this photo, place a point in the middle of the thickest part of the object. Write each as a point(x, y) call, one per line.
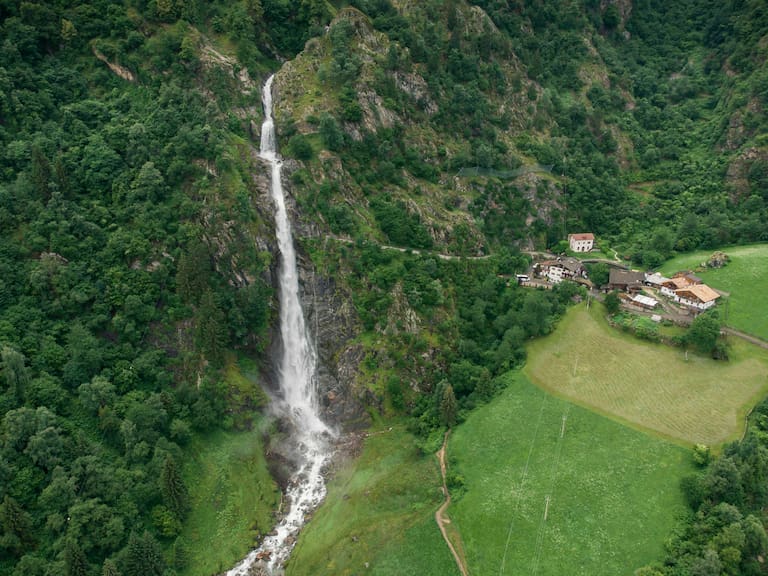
point(400, 126)
point(640, 129)
point(490, 140)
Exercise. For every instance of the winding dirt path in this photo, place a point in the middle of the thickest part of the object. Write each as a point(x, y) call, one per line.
point(748, 337)
point(442, 518)
point(413, 250)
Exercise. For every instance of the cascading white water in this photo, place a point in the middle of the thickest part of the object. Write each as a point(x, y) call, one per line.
point(296, 373)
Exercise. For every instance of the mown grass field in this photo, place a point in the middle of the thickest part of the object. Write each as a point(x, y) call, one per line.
point(380, 511)
point(231, 495)
point(650, 386)
point(746, 278)
point(613, 491)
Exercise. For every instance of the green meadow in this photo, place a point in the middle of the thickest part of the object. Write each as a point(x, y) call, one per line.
point(745, 277)
point(654, 387)
point(378, 517)
point(231, 495)
point(574, 468)
point(553, 489)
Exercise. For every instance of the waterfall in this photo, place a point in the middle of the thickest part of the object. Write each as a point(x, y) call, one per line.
point(297, 378)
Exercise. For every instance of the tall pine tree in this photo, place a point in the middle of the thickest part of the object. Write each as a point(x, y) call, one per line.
point(212, 334)
point(448, 407)
point(15, 526)
point(173, 489)
point(109, 568)
point(143, 556)
point(75, 561)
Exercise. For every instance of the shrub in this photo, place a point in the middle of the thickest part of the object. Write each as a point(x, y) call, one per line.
point(300, 148)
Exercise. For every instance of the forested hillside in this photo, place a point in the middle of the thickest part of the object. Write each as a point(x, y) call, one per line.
point(130, 277)
point(137, 250)
point(536, 121)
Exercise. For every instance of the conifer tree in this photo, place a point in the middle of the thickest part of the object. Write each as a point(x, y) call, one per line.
point(192, 273)
point(41, 173)
point(211, 328)
point(75, 561)
point(143, 556)
point(173, 489)
point(448, 407)
point(15, 526)
point(180, 554)
point(109, 568)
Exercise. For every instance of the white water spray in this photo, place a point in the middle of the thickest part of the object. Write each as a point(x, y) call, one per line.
point(296, 373)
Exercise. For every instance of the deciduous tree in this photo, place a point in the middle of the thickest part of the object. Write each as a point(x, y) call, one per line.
point(15, 372)
point(704, 332)
point(612, 302)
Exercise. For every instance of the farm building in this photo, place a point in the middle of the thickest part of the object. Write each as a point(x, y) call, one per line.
point(644, 301)
point(619, 279)
point(656, 280)
point(562, 269)
point(692, 278)
point(583, 242)
point(671, 285)
point(699, 296)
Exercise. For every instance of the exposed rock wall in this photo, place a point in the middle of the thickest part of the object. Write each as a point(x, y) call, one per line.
point(333, 322)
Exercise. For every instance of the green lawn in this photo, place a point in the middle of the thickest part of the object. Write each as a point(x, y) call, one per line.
point(746, 278)
point(232, 497)
point(650, 386)
point(613, 491)
point(380, 511)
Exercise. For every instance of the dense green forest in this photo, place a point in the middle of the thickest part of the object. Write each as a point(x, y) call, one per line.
point(125, 250)
point(135, 254)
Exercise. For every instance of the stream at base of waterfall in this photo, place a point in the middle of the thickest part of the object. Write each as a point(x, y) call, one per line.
point(297, 379)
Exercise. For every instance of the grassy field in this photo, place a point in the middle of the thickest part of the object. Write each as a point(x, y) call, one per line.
point(745, 278)
point(650, 386)
point(232, 496)
point(612, 491)
point(379, 511)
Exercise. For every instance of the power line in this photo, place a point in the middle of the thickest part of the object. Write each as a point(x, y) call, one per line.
point(547, 500)
point(523, 477)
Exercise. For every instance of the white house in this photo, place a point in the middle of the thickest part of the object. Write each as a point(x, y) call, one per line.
point(555, 274)
point(672, 285)
point(562, 269)
point(581, 242)
point(699, 296)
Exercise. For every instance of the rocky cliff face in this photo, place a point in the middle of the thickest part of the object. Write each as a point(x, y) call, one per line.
point(333, 322)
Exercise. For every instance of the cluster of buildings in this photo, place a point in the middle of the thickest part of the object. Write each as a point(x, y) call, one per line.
point(567, 268)
point(686, 289)
point(683, 288)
